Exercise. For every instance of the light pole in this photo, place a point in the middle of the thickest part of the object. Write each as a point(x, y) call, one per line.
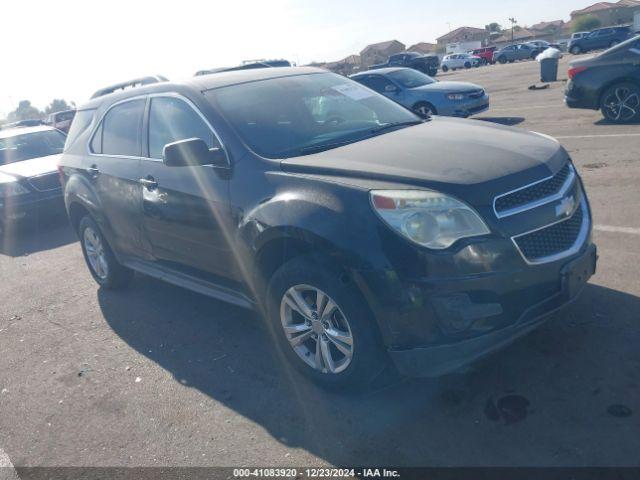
point(513, 22)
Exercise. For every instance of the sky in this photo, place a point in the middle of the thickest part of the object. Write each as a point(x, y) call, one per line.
point(70, 48)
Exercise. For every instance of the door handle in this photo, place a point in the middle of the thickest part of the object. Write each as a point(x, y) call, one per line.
point(93, 170)
point(149, 183)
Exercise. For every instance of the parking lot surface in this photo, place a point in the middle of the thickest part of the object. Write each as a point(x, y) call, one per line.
point(157, 375)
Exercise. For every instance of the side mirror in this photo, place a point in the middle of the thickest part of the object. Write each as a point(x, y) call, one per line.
point(390, 88)
point(193, 152)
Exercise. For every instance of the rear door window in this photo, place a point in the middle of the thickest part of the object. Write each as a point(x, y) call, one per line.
point(119, 132)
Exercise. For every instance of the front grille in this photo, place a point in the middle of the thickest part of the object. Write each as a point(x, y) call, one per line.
point(46, 182)
point(477, 94)
point(552, 240)
point(533, 193)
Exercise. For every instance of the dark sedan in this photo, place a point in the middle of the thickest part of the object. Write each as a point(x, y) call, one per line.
point(29, 184)
point(609, 82)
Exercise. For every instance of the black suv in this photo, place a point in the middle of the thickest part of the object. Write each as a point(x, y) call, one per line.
point(360, 231)
point(427, 64)
point(599, 39)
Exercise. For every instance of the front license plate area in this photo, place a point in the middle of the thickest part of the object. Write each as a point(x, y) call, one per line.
point(576, 273)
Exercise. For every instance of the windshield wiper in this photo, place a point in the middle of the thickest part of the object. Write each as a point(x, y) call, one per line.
point(325, 146)
point(389, 126)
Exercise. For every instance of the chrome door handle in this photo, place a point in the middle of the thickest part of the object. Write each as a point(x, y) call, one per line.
point(93, 170)
point(149, 183)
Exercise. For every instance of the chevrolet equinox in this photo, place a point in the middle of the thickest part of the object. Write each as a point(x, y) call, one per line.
point(360, 231)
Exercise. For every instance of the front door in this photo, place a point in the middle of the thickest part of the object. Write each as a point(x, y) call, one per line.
point(185, 209)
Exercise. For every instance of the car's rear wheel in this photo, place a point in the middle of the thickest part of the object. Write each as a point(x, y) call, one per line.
point(621, 103)
point(424, 109)
point(445, 68)
point(576, 50)
point(322, 324)
point(467, 64)
point(502, 59)
point(102, 263)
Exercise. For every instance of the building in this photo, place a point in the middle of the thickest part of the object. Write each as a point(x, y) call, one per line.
point(380, 52)
point(522, 35)
point(346, 66)
point(423, 47)
point(609, 13)
point(463, 35)
point(552, 28)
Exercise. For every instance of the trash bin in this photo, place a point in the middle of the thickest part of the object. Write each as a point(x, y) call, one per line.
point(549, 69)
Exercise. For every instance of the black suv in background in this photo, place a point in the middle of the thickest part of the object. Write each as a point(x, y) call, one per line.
point(599, 39)
point(427, 64)
point(359, 230)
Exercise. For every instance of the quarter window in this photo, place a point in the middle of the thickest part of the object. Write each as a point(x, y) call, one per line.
point(171, 120)
point(119, 132)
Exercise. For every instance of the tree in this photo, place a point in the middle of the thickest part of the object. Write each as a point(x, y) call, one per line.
point(586, 23)
point(57, 105)
point(493, 27)
point(24, 111)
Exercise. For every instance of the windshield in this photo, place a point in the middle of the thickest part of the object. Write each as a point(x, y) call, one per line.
point(30, 145)
point(301, 114)
point(410, 78)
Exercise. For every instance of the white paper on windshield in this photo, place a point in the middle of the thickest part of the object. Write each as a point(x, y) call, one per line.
point(353, 91)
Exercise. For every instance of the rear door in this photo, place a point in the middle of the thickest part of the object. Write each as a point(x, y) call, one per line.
point(114, 170)
point(185, 209)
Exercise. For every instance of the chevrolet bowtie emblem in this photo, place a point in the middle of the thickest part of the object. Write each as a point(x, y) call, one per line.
point(566, 207)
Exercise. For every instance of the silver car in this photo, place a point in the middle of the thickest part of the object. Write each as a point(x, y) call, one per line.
point(425, 95)
point(459, 60)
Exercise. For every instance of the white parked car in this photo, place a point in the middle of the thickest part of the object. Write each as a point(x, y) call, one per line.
point(459, 60)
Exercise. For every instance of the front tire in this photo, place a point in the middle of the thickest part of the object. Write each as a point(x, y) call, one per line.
point(424, 109)
point(102, 263)
point(576, 50)
point(502, 60)
point(323, 326)
point(445, 69)
point(467, 65)
point(621, 103)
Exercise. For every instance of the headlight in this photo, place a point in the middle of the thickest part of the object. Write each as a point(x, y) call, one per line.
point(455, 96)
point(10, 189)
point(428, 218)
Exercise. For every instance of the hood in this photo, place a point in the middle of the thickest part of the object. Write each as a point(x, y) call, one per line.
point(30, 168)
point(473, 159)
point(447, 87)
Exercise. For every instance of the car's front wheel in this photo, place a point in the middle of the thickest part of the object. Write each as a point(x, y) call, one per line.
point(424, 109)
point(445, 69)
point(322, 324)
point(502, 59)
point(102, 263)
point(621, 103)
point(576, 50)
point(467, 64)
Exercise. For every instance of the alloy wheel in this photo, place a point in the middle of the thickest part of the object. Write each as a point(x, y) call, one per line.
point(424, 111)
point(622, 104)
point(317, 329)
point(95, 253)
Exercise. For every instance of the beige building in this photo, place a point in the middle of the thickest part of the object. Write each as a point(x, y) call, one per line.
point(609, 13)
point(464, 34)
point(423, 47)
point(380, 52)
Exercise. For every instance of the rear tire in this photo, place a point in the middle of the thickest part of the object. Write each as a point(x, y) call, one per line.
point(502, 59)
point(346, 352)
point(576, 50)
point(445, 69)
point(102, 263)
point(621, 103)
point(467, 65)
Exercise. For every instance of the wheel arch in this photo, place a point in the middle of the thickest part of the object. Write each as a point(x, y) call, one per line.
point(614, 82)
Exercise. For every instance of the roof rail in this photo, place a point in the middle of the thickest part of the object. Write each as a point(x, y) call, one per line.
point(247, 65)
point(136, 82)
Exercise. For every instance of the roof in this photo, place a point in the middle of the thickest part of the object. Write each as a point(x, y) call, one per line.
point(423, 47)
point(12, 132)
point(202, 83)
point(379, 71)
point(459, 31)
point(381, 46)
point(596, 7)
point(547, 25)
point(518, 36)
